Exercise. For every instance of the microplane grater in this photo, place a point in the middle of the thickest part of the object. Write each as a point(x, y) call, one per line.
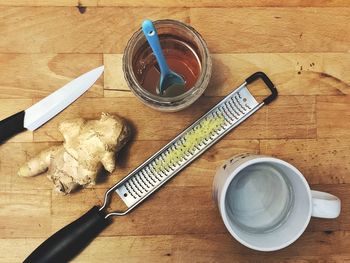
point(154, 172)
point(148, 177)
point(145, 179)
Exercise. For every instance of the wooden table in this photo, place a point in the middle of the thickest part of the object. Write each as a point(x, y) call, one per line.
point(303, 45)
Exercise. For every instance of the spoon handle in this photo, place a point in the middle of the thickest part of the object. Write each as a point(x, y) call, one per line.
point(152, 37)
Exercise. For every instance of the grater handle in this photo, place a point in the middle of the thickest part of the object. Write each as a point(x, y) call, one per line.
point(268, 83)
point(70, 240)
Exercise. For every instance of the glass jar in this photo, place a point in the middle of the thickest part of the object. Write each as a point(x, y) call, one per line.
point(189, 52)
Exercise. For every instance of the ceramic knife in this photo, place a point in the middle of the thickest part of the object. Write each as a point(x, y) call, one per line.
point(41, 112)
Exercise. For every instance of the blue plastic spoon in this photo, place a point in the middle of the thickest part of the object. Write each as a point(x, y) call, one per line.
point(171, 84)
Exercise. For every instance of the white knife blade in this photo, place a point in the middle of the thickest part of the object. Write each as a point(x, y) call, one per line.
point(47, 108)
point(44, 110)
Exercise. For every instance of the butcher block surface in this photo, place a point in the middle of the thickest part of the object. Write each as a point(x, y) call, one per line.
point(302, 45)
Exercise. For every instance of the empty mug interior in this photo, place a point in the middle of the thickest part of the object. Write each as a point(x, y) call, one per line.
point(255, 221)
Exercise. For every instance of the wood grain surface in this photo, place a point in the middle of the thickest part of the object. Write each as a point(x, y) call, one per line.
point(303, 45)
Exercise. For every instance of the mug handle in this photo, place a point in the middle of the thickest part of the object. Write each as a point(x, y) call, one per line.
point(325, 205)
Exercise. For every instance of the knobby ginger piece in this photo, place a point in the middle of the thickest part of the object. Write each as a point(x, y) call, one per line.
point(88, 145)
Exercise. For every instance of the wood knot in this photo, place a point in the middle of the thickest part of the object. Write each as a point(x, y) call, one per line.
point(81, 8)
point(328, 232)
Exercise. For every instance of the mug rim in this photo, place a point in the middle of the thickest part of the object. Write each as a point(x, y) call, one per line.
point(245, 164)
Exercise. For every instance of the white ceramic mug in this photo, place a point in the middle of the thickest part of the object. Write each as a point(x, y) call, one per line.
point(266, 203)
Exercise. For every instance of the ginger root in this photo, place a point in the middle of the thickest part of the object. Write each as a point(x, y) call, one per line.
point(88, 145)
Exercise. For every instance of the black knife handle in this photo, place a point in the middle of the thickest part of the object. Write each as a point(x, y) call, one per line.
point(11, 126)
point(70, 240)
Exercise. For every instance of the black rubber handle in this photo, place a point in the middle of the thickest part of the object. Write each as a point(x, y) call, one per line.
point(70, 240)
point(11, 126)
point(268, 83)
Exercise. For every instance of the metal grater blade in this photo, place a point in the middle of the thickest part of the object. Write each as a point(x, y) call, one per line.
point(148, 177)
point(188, 145)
